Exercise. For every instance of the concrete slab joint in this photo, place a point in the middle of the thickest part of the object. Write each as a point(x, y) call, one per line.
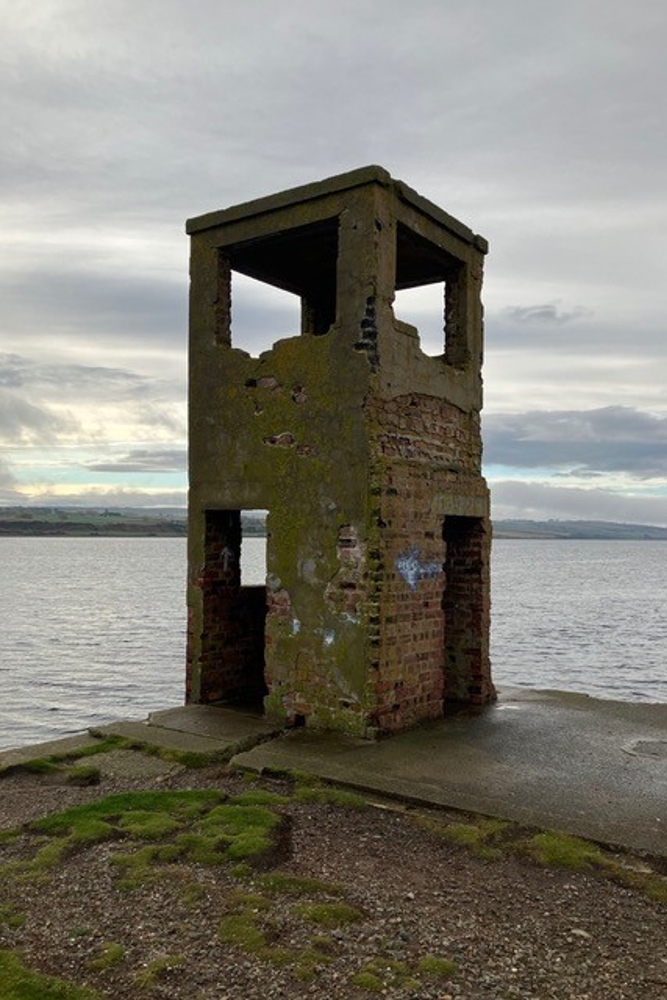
point(364, 450)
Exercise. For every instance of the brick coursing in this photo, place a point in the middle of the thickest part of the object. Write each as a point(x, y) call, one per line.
point(429, 635)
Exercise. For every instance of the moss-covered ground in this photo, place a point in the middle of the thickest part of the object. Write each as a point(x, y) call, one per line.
point(162, 834)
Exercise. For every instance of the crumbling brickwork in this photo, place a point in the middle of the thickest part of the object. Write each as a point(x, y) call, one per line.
point(365, 451)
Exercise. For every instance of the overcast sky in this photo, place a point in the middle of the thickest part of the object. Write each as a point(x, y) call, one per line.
point(539, 124)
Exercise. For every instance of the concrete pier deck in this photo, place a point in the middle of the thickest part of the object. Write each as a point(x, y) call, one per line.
point(544, 758)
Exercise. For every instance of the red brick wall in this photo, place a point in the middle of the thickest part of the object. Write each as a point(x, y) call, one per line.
point(424, 448)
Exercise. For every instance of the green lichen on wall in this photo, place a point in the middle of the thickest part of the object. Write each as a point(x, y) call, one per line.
point(289, 433)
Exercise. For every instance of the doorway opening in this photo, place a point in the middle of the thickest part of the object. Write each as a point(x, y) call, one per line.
point(234, 608)
point(465, 607)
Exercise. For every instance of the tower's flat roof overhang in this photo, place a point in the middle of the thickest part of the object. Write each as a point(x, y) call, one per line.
point(323, 190)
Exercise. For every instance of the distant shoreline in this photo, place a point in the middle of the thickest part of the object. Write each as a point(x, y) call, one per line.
point(79, 523)
point(172, 522)
point(68, 530)
point(608, 531)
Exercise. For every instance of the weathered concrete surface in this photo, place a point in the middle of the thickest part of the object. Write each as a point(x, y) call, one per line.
point(16, 756)
point(213, 732)
point(549, 759)
point(232, 727)
point(216, 733)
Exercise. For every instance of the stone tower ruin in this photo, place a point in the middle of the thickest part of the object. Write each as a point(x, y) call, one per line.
point(364, 450)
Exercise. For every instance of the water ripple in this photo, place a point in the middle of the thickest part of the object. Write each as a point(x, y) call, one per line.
point(93, 629)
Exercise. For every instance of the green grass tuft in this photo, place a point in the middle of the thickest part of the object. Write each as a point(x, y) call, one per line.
point(243, 931)
point(328, 795)
point(324, 944)
point(203, 850)
point(105, 745)
point(239, 900)
point(655, 887)
point(246, 829)
point(190, 759)
point(434, 965)
point(145, 824)
point(234, 820)
point(248, 845)
point(565, 851)
point(51, 852)
point(110, 956)
point(484, 837)
point(83, 775)
point(11, 918)
point(157, 969)
point(297, 885)
point(384, 973)
point(48, 856)
point(310, 962)
point(113, 807)
point(652, 885)
point(259, 797)
point(81, 931)
point(330, 914)
point(366, 979)
point(17, 982)
point(90, 831)
point(38, 766)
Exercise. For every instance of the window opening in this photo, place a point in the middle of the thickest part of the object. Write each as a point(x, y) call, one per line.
point(431, 289)
point(262, 314)
point(283, 284)
point(424, 308)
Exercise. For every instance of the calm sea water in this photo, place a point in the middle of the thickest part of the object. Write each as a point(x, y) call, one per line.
point(93, 629)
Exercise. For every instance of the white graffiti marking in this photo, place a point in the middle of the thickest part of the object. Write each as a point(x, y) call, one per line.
point(412, 569)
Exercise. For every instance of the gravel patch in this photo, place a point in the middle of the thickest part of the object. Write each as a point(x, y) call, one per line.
point(511, 928)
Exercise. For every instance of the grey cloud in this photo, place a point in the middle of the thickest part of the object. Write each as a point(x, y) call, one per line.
point(112, 497)
point(582, 334)
point(588, 442)
point(547, 314)
point(23, 422)
point(536, 501)
point(144, 460)
point(288, 91)
point(88, 303)
point(41, 402)
point(81, 382)
point(157, 417)
point(121, 119)
point(18, 372)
